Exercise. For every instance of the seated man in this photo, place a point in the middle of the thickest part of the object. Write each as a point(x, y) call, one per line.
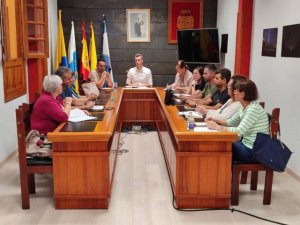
point(209, 88)
point(139, 76)
point(81, 102)
point(99, 76)
point(222, 77)
point(229, 108)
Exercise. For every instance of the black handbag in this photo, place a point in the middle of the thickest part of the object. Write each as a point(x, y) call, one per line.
point(169, 98)
point(271, 152)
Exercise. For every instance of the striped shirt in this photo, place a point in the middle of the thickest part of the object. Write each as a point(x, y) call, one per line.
point(248, 122)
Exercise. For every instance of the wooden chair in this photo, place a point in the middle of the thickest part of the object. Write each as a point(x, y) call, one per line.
point(239, 167)
point(27, 167)
point(244, 175)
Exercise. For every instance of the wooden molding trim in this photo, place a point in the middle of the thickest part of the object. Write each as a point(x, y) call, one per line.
point(10, 156)
point(293, 174)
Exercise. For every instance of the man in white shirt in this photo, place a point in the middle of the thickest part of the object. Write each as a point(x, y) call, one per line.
point(139, 76)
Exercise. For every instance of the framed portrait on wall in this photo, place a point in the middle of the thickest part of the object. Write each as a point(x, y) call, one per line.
point(182, 15)
point(138, 25)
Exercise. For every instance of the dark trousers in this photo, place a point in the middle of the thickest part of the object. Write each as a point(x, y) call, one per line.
point(242, 153)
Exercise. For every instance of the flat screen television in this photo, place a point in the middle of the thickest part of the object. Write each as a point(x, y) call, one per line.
point(199, 46)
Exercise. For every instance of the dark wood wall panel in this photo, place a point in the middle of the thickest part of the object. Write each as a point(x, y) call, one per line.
point(159, 56)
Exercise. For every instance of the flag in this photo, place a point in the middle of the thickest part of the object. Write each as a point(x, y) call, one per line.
point(92, 50)
point(61, 55)
point(72, 57)
point(84, 64)
point(105, 52)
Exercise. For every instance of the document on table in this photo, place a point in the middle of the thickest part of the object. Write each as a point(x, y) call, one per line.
point(77, 115)
point(203, 129)
point(192, 114)
point(181, 95)
point(97, 108)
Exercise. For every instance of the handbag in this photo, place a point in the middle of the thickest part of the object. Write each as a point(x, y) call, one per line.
point(271, 152)
point(90, 89)
point(37, 146)
point(169, 97)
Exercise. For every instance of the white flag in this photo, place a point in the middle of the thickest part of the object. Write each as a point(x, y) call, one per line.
point(72, 57)
point(105, 52)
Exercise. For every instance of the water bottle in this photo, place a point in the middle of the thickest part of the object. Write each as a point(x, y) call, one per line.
point(115, 85)
point(190, 121)
point(112, 97)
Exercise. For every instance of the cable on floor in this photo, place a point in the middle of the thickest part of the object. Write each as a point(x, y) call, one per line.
point(224, 209)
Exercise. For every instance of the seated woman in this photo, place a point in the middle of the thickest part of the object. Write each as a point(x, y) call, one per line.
point(48, 112)
point(247, 121)
point(183, 78)
point(229, 108)
point(198, 83)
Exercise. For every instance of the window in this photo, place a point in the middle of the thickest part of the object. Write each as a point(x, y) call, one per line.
point(12, 57)
point(35, 28)
point(24, 34)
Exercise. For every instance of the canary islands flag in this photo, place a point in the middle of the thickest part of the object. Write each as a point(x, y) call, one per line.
point(105, 52)
point(61, 55)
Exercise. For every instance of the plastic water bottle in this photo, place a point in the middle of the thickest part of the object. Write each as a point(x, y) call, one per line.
point(115, 86)
point(112, 97)
point(190, 121)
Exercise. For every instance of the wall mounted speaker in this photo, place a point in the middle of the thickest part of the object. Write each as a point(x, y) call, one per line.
point(224, 43)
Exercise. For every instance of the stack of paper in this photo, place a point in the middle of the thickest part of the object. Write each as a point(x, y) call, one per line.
point(77, 115)
point(203, 129)
point(192, 114)
point(141, 87)
point(181, 95)
point(97, 108)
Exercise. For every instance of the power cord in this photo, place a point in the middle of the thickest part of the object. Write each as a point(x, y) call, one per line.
point(144, 131)
point(134, 129)
point(224, 209)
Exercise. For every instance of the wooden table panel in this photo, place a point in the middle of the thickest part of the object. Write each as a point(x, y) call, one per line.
point(199, 164)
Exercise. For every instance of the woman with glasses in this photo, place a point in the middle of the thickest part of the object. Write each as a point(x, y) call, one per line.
point(81, 102)
point(247, 121)
point(183, 78)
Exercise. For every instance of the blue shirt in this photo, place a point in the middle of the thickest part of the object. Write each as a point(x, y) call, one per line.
point(68, 92)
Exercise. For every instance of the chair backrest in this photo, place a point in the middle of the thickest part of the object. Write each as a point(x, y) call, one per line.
point(262, 104)
point(274, 123)
point(23, 128)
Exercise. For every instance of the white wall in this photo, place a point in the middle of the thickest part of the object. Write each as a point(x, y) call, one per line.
point(226, 23)
point(278, 77)
point(52, 20)
point(8, 134)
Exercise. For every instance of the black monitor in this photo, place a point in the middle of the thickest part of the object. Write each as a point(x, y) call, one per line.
point(199, 46)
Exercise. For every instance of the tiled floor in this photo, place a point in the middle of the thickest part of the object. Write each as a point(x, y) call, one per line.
point(142, 195)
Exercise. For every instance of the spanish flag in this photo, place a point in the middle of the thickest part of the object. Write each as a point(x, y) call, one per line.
point(84, 64)
point(92, 50)
point(61, 55)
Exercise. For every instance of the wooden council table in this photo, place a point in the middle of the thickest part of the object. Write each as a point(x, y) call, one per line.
point(199, 164)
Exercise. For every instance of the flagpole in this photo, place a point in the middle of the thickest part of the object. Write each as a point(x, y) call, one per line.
point(105, 49)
